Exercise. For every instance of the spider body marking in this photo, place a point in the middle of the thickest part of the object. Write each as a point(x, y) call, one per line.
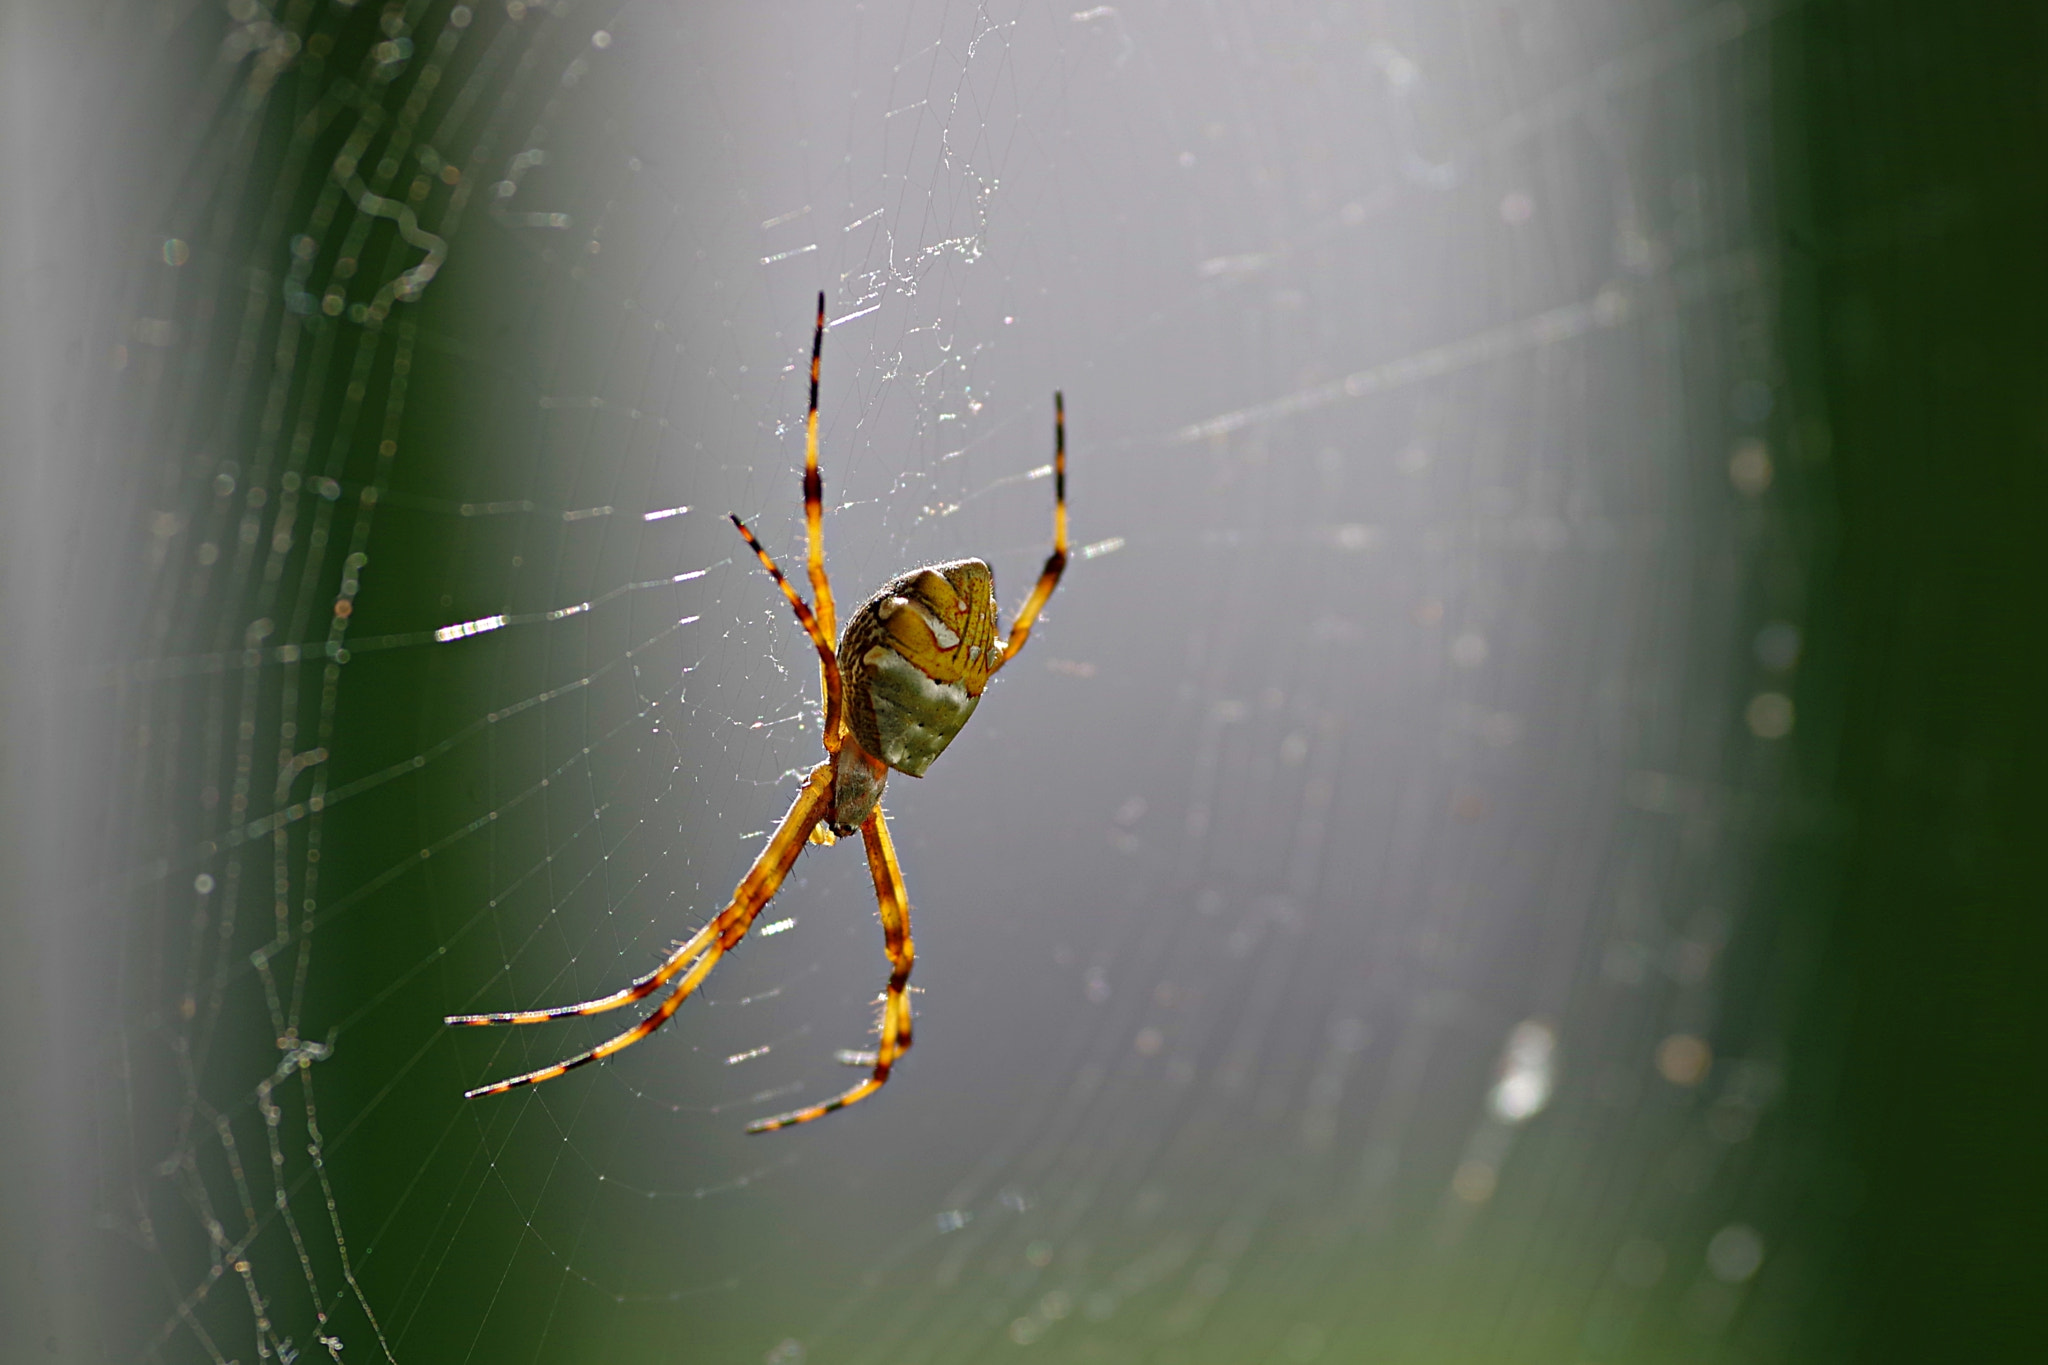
point(913, 661)
point(905, 677)
point(916, 657)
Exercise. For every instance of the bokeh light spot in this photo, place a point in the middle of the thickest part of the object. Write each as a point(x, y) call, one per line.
point(1474, 1182)
point(1469, 649)
point(1769, 715)
point(1749, 468)
point(1684, 1059)
point(1735, 1253)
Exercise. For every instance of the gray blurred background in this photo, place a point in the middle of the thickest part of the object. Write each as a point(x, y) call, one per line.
point(1474, 865)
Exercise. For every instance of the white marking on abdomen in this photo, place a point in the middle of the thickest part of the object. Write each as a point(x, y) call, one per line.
point(947, 637)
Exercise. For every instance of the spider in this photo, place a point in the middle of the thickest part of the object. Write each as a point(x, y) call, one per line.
point(908, 672)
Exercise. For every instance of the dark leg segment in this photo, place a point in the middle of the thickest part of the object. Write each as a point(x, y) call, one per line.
point(814, 492)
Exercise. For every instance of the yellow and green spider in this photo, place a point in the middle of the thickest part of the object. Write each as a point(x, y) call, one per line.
point(906, 675)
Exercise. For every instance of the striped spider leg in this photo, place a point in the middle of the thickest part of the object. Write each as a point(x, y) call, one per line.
point(905, 677)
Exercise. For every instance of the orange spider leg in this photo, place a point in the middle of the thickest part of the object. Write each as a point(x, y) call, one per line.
point(645, 986)
point(814, 493)
point(749, 898)
point(1056, 562)
point(828, 662)
point(894, 904)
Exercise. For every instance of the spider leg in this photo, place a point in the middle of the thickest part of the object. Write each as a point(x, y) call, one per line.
point(1056, 562)
point(640, 989)
point(828, 661)
point(749, 898)
point(894, 905)
point(814, 493)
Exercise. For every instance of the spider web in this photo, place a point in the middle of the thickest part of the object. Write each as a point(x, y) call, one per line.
point(1328, 926)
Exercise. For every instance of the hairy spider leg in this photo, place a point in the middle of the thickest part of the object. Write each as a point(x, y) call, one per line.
point(814, 494)
point(749, 898)
point(1056, 562)
point(828, 661)
point(894, 904)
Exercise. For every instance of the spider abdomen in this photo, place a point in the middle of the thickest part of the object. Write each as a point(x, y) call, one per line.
point(915, 658)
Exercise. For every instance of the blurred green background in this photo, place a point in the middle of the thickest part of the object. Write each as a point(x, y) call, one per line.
point(1912, 318)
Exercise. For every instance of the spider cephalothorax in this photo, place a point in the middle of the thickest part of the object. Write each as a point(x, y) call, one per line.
point(905, 677)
